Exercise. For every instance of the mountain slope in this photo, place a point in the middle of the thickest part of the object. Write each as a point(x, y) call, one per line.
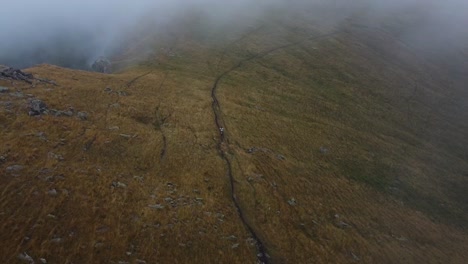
point(309, 144)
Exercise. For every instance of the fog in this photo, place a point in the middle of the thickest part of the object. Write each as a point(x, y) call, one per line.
point(74, 33)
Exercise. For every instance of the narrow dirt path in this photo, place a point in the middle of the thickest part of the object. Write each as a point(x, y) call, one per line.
point(223, 142)
point(132, 81)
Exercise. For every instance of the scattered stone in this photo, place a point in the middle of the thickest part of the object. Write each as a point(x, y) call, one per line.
point(252, 150)
point(2, 159)
point(108, 90)
point(138, 178)
point(56, 240)
point(342, 224)
point(43, 260)
point(401, 238)
point(114, 128)
point(125, 135)
point(37, 107)
point(280, 157)
point(15, 168)
point(231, 238)
point(7, 105)
point(235, 245)
point(356, 258)
point(139, 261)
point(82, 115)
point(99, 245)
point(292, 202)
point(68, 113)
point(251, 241)
point(52, 192)
point(42, 136)
point(119, 185)
point(55, 156)
point(323, 150)
point(123, 262)
point(26, 258)
point(4, 89)
point(156, 206)
point(17, 94)
point(122, 93)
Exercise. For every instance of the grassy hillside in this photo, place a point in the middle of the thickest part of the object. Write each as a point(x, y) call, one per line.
point(339, 144)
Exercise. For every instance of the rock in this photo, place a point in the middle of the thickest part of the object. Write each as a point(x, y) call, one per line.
point(37, 107)
point(122, 93)
point(252, 150)
point(2, 159)
point(251, 241)
point(17, 94)
point(56, 240)
point(82, 115)
point(102, 65)
point(99, 245)
point(235, 245)
point(342, 224)
point(280, 157)
point(231, 238)
point(125, 135)
point(156, 206)
point(292, 202)
point(54, 156)
point(138, 178)
point(42, 136)
point(68, 113)
point(113, 128)
point(4, 89)
point(323, 150)
point(119, 185)
point(15, 74)
point(43, 260)
point(139, 261)
point(108, 90)
point(52, 192)
point(25, 258)
point(15, 168)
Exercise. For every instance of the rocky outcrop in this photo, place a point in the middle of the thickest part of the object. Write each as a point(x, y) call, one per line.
point(37, 107)
point(15, 74)
point(102, 65)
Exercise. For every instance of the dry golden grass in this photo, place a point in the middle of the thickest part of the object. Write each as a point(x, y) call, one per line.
point(383, 193)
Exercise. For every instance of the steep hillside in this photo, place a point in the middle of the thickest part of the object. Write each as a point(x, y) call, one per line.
point(284, 143)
